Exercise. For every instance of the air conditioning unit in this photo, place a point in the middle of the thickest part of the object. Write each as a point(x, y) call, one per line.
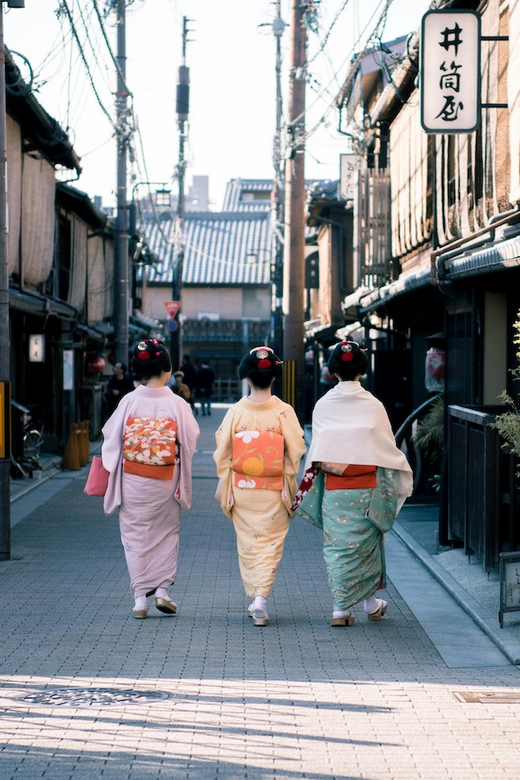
point(205, 316)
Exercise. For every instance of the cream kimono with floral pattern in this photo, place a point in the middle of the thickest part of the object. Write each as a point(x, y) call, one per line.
point(260, 514)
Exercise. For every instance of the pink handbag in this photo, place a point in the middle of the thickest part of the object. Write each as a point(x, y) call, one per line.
point(97, 481)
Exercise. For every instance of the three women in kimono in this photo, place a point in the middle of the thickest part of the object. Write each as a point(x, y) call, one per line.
point(148, 446)
point(259, 447)
point(362, 482)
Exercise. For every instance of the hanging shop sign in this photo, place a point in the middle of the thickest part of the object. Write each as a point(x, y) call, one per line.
point(349, 165)
point(450, 79)
point(37, 348)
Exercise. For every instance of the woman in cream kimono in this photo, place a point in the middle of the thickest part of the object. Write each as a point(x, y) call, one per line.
point(259, 447)
point(359, 480)
point(148, 445)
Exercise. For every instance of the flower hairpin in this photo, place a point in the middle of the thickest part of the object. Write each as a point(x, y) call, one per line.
point(347, 351)
point(142, 351)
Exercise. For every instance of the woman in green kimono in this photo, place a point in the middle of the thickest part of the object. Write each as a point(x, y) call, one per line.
point(359, 481)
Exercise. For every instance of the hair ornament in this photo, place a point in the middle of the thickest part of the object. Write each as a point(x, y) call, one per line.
point(142, 351)
point(347, 352)
point(256, 351)
point(262, 354)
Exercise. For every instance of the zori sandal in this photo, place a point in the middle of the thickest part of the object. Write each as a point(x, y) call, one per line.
point(165, 605)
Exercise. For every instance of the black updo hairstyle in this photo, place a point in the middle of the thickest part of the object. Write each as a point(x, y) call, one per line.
point(261, 366)
point(150, 358)
point(348, 361)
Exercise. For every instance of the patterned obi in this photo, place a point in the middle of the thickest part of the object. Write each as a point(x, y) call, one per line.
point(257, 460)
point(149, 447)
point(353, 477)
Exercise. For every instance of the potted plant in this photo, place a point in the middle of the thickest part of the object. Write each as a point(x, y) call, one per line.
point(428, 440)
point(508, 423)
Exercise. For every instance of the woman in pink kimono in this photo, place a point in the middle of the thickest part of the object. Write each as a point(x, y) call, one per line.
point(259, 447)
point(148, 445)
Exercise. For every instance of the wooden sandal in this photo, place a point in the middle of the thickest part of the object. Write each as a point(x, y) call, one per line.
point(348, 620)
point(379, 614)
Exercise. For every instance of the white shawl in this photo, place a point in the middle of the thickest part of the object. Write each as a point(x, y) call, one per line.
point(148, 402)
point(351, 426)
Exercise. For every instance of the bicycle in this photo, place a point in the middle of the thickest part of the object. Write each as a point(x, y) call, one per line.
point(29, 462)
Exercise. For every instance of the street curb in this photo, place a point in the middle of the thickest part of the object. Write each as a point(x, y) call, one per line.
point(508, 645)
point(34, 484)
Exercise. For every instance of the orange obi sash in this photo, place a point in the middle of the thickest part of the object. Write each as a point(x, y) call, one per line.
point(149, 447)
point(257, 460)
point(353, 477)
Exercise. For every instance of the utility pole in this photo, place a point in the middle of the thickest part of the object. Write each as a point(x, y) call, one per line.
point(278, 192)
point(5, 369)
point(121, 265)
point(294, 243)
point(182, 109)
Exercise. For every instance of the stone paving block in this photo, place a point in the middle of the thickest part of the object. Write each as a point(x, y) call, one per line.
point(295, 699)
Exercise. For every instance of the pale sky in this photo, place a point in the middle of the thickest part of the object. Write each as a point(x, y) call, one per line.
point(232, 97)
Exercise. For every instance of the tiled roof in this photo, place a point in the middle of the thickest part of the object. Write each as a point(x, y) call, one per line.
point(216, 248)
point(246, 195)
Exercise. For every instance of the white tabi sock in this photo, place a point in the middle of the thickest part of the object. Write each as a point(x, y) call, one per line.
point(372, 604)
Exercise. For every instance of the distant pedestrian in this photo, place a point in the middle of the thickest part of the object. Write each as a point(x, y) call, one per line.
point(204, 387)
point(118, 385)
point(327, 381)
point(178, 386)
point(355, 482)
point(148, 445)
point(190, 376)
point(259, 447)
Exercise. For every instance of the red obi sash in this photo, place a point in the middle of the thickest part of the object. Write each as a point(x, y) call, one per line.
point(149, 447)
point(353, 477)
point(257, 460)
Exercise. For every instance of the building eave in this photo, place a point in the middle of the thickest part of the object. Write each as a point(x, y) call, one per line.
point(40, 131)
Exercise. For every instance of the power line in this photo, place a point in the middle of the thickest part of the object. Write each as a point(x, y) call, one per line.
point(87, 67)
point(107, 42)
point(329, 31)
point(374, 35)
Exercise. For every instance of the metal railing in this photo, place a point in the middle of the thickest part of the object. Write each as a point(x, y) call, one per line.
point(208, 330)
point(483, 491)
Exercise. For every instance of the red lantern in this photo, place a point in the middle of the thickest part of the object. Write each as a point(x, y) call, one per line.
point(97, 365)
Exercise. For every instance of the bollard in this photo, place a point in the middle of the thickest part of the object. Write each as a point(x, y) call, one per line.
point(71, 460)
point(84, 448)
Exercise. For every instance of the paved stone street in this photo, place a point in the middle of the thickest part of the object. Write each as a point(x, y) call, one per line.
point(87, 692)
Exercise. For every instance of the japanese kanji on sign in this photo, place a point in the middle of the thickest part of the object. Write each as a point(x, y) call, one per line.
point(450, 71)
point(349, 165)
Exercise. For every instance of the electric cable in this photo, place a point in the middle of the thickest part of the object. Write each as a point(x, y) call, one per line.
point(347, 58)
point(109, 47)
point(370, 39)
point(329, 31)
point(89, 73)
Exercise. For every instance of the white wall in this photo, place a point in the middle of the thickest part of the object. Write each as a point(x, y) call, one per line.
point(230, 303)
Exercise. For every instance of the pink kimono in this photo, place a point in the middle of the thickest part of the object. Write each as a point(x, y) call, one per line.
point(149, 509)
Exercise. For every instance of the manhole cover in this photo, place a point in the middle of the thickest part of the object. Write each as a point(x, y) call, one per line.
point(488, 697)
point(102, 697)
